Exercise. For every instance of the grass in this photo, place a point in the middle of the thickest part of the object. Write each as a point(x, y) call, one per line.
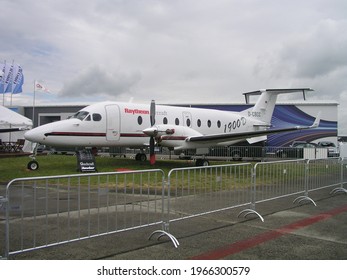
point(51, 165)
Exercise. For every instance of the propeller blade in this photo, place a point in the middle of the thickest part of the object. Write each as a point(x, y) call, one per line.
point(151, 151)
point(152, 113)
point(151, 140)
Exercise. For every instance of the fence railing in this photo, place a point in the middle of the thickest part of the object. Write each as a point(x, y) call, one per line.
point(47, 211)
point(273, 180)
point(238, 153)
point(203, 190)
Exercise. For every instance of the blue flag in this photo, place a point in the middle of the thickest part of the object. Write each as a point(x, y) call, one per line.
point(8, 78)
point(18, 79)
point(11, 78)
point(2, 77)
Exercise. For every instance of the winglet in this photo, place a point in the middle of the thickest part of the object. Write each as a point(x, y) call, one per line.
point(316, 121)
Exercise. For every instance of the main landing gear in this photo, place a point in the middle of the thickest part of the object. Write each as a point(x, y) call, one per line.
point(141, 157)
point(202, 162)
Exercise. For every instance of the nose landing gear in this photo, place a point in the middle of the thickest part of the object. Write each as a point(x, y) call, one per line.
point(33, 164)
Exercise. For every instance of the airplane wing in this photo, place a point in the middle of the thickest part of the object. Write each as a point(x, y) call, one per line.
point(3, 130)
point(225, 137)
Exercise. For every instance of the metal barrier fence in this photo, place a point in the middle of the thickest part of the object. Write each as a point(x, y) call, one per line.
point(203, 190)
point(278, 179)
point(46, 211)
point(273, 180)
point(238, 153)
point(323, 173)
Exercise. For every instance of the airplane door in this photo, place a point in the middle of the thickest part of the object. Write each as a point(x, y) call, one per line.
point(187, 119)
point(112, 122)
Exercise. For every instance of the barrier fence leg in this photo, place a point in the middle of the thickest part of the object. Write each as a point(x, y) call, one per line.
point(340, 189)
point(4, 207)
point(305, 197)
point(166, 218)
point(252, 210)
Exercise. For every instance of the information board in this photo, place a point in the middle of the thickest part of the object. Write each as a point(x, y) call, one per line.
point(86, 161)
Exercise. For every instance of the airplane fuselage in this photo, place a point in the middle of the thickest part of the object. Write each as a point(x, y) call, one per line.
point(133, 125)
point(122, 124)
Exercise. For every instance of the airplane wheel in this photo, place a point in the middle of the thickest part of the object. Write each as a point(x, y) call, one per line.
point(33, 165)
point(141, 157)
point(202, 162)
point(236, 156)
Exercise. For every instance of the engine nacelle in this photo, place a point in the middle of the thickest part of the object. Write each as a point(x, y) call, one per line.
point(174, 136)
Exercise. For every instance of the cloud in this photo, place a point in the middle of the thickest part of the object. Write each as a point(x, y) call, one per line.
point(176, 51)
point(316, 53)
point(97, 80)
point(320, 52)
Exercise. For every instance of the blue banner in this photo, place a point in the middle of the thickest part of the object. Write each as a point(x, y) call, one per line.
point(8, 78)
point(11, 78)
point(18, 79)
point(2, 77)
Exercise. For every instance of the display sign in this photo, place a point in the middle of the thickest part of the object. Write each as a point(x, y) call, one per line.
point(86, 161)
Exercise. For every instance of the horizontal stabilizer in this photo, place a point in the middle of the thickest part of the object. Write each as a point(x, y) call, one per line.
point(256, 139)
point(276, 91)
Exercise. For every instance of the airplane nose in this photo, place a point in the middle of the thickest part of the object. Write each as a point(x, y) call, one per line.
point(28, 135)
point(33, 135)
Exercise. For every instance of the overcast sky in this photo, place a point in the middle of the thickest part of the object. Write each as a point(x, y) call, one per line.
point(176, 50)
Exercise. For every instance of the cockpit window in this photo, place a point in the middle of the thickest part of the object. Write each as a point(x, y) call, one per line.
point(80, 115)
point(96, 117)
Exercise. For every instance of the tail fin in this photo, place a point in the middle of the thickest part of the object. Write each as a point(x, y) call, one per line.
point(264, 107)
point(316, 121)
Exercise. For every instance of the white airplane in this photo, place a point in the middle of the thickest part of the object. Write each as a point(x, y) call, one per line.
point(132, 125)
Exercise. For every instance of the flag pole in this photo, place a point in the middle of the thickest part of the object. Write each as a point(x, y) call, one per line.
point(3, 79)
point(12, 84)
point(33, 117)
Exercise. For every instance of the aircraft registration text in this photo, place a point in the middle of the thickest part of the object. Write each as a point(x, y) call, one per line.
point(254, 114)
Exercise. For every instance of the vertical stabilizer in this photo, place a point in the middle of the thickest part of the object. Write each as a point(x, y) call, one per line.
point(265, 105)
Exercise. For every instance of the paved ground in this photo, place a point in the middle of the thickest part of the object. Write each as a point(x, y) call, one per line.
point(290, 231)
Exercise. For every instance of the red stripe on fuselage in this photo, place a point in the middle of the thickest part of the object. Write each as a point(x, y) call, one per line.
point(102, 134)
point(84, 134)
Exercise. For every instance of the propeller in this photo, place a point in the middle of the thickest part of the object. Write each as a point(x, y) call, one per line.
point(151, 139)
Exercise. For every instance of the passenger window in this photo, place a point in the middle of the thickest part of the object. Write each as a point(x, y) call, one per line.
point(97, 117)
point(165, 120)
point(188, 122)
point(177, 121)
point(199, 122)
point(209, 123)
point(219, 124)
point(139, 120)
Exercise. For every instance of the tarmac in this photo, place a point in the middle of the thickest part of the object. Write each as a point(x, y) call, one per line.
point(289, 232)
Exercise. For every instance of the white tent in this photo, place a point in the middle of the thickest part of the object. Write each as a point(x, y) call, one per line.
point(13, 126)
point(12, 120)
